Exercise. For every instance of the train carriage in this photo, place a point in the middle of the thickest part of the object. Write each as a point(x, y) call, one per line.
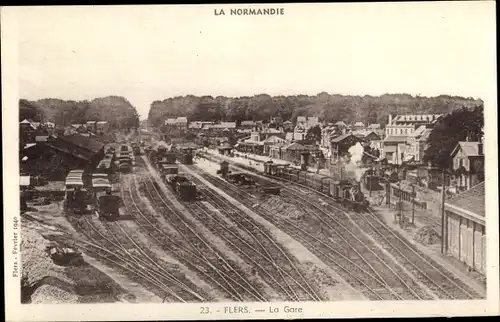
point(107, 206)
point(75, 193)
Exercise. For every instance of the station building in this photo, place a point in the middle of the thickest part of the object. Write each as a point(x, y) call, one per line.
point(465, 235)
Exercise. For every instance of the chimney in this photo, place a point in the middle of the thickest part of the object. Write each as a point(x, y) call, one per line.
point(390, 119)
point(480, 149)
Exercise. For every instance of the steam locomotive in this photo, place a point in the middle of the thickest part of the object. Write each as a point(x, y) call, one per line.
point(346, 192)
point(349, 195)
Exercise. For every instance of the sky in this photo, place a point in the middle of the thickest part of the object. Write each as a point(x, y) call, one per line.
point(149, 53)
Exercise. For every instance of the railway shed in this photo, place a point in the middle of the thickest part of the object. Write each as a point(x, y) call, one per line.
point(465, 228)
point(55, 156)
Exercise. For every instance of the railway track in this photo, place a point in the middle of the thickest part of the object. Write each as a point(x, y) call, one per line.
point(186, 255)
point(442, 282)
point(258, 246)
point(139, 266)
point(358, 271)
point(232, 279)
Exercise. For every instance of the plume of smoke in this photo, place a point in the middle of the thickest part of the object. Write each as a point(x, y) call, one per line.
point(352, 163)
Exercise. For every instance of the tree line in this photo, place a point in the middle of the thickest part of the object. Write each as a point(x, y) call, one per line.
point(328, 107)
point(117, 110)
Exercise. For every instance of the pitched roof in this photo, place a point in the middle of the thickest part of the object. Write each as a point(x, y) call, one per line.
point(295, 146)
point(395, 138)
point(83, 142)
point(273, 138)
point(470, 148)
point(471, 200)
point(248, 123)
point(363, 133)
point(340, 123)
point(359, 124)
point(374, 126)
point(224, 125)
point(341, 137)
point(25, 121)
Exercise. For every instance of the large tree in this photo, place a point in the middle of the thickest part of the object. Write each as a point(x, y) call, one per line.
point(460, 125)
point(314, 133)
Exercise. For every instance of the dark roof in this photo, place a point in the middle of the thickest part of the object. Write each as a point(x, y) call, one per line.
point(83, 142)
point(471, 200)
point(341, 137)
point(73, 150)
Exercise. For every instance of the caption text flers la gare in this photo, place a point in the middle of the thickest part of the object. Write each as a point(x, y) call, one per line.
point(251, 12)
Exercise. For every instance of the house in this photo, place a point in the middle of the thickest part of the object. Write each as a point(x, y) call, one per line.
point(272, 141)
point(198, 125)
point(468, 164)
point(377, 129)
point(301, 121)
point(358, 126)
point(225, 148)
point(292, 152)
point(275, 122)
point(182, 123)
point(465, 233)
point(404, 125)
point(49, 125)
point(287, 126)
point(102, 127)
point(79, 128)
point(248, 124)
point(366, 135)
point(327, 134)
point(341, 125)
point(179, 123)
point(312, 121)
point(170, 122)
point(341, 144)
point(91, 126)
point(27, 132)
point(417, 143)
point(393, 148)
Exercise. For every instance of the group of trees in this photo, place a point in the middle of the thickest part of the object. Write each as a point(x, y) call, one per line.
point(459, 125)
point(367, 109)
point(115, 109)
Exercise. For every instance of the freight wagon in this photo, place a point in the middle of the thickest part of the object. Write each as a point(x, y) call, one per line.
point(186, 190)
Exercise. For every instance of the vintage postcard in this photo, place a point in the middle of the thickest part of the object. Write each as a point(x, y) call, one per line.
point(251, 161)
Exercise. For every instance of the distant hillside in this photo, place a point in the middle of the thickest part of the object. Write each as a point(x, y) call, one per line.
point(367, 109)
point(114, 109)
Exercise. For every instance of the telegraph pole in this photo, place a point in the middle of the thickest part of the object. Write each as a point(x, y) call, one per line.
point(413, 204)
point(400, 205)
point(443, 195)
